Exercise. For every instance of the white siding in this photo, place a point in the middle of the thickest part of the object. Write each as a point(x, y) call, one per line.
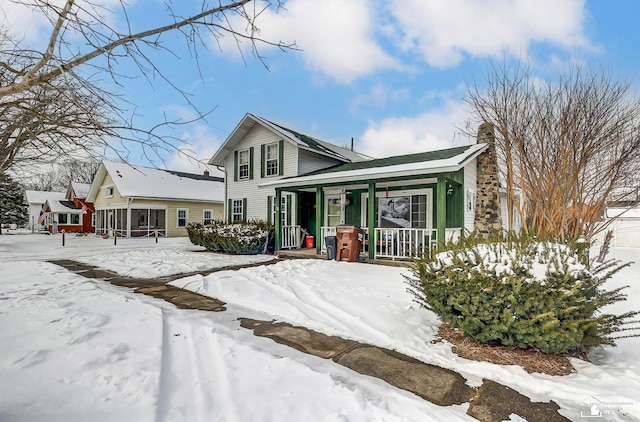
point(257, 197)
point(470, 186)
point(308, 162)
point(504, 214)
point(626, 233)
point(295, 162)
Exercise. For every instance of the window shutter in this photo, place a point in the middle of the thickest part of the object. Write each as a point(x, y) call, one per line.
point(269, 208)
point(244, 209)
point(289, 200)
point(262, 158)
point(281, 158)
point(235, 166)
point(230, 211)
point(250, 163)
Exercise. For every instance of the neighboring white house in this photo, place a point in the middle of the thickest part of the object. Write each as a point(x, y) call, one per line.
point(36, 199)
point(625, 226)
point(140, 201)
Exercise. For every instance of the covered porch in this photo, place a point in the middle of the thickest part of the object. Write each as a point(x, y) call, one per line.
point(399, 220)
point(407, 206)
point(131, 221)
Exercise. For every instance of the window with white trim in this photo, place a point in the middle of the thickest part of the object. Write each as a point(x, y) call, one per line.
point(109, 192)
point(271, 159)
point(75, 219)
point(62, 218)
point(93, 219)
point(182, 217)
point(237, 210)
point(207, 216)
point(243, 164)
point(401, 209)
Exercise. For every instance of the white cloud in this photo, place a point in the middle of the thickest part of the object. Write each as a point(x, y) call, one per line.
point(337, 37)
point(193, 158)
point(429, 131)
point(379, 95)
point(27, 23)
point(443, 32)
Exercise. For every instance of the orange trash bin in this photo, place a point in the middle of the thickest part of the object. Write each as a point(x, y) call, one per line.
point(349, 243)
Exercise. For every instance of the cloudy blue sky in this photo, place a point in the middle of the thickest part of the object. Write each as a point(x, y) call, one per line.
point(390, 74)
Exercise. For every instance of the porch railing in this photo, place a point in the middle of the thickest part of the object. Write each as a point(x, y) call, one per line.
point(291, 237)
point(398, 243)
point(404, 243)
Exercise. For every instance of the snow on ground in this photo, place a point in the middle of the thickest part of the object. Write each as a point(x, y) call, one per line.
point(75, 349)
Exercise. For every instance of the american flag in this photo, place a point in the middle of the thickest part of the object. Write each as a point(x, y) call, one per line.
point(43, 216)
point(85, 208)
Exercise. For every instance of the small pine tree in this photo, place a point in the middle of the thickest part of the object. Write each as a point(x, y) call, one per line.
point(13, 209)
point(524, 294)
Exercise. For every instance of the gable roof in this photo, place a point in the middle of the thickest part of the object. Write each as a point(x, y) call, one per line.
point(62, 206)
point(79, 190)
point(445, 160)
point(306, 142)
point(144, 182)
point(35, 197)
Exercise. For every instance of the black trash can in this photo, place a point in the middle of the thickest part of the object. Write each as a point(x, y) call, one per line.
point(331, 244)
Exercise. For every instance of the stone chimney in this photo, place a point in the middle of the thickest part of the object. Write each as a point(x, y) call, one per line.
point(488, 218)
point(206, 172)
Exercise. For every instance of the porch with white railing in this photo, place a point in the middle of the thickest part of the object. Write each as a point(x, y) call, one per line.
point(291, 237)
point(398, 243)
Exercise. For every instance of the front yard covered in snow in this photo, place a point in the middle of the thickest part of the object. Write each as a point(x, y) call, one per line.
point(75, 349)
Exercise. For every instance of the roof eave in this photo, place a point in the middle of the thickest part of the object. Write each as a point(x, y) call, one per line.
point(357, 176)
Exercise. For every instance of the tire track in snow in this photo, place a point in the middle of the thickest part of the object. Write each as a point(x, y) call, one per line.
point(318, 309)
point(194, 380)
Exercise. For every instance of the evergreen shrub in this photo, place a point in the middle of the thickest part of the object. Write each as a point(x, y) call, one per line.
point(523, 294)
point(242, 238)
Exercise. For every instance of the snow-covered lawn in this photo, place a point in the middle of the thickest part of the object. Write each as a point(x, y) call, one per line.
point(75, 349)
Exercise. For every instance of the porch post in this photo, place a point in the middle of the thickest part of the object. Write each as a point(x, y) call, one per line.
point(371, 220)
point(441, 210)
point(129, 216)
point(278, 218)
point(319, 217)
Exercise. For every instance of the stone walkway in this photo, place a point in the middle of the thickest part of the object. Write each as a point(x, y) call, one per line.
point(490, 402)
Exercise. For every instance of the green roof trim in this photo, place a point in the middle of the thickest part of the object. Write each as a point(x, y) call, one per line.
point(442, 154)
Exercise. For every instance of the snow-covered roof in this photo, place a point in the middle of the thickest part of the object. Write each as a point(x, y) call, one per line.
point(80, 190)
point(623, 212)
point(301, 140)
point(133, 181)
point(35, 197)
point(430, 162)
point(62, 206)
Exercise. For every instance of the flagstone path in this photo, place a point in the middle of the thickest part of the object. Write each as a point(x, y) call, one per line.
point(490, 402)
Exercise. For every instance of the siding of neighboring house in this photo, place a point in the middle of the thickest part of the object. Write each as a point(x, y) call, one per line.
point(195, 214)
point(626, 232)
point(256, 198)
point(101, 197)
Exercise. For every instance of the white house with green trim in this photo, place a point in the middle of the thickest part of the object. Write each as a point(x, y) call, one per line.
point(259, 151)
point(405, 204)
